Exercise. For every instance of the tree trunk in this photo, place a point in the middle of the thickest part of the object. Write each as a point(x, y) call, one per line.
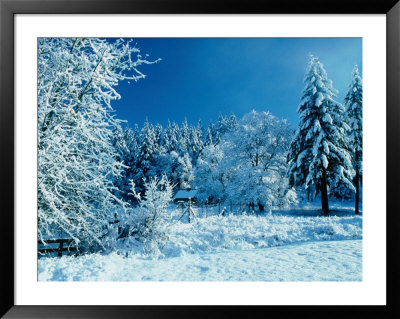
point(324, 195)
point(252, 207)
point(357, 182)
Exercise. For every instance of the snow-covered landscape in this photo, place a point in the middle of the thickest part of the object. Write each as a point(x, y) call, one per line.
point(310, 261)
point(243, 197)
point(308, 247)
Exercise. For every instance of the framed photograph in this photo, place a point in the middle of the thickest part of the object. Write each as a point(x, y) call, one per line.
point(164, 155)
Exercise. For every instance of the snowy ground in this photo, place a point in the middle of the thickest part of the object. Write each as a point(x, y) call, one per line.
point(286, 246)
point(312, 261)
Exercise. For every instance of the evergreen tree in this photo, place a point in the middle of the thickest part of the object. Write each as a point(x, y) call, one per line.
point(184, 138)
point(216, 135)
point(208, 137)
point(225, 125)
point(147, 150)
point(165, 143)
point(158, 132)
point(222, 125)
point(173, 133)
point(196, 143)
point(200, 128)
point(232, 122)
point(318, 155)
point(132, 137)
point(127, 148)
point(353, 103)
point(119, 142)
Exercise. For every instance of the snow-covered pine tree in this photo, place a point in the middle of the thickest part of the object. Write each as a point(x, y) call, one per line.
point(318, 154)
point(76, 160)
point(119, 141)
point(165, 143)
point(200, 128)
point(222, 125)
point(208, 137)
point(147, 150)
point(232, 122)
point(173, 134)
point(225, 125)
point(158, 131)
point(184, 139)
point(216, 136)
point(127, 148)
point(353, 102)
point(195, 143)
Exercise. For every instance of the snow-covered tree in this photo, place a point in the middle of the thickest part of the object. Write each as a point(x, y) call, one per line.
point(119, 142)
point(226, 124)
point(248, 166)
point(232, 123)
point(196, 143)
point(179, 170)
point(353, 103)
point(208, 177)
point(147, 151)
point(151, 214)
point(76, 160)
point(222, 125)
point(208, 138)
point(318, 155)
point(254, 163)
point(165, 143)
point(183, 138)
point(158, 131)
point(126, 144)
point(172, 132)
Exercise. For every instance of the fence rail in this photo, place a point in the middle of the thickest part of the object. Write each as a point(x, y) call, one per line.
point(60, 249)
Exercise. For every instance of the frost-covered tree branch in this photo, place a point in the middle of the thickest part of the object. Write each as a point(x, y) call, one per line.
point(76, 161)
point(152, 211)
point(249, 165)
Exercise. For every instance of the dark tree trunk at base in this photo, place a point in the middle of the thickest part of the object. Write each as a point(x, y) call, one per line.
point(324, 195)
point(357, 184)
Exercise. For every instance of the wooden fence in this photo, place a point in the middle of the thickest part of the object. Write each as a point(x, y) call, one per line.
point(64, 245)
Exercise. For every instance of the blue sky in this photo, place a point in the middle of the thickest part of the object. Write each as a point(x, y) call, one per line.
point(203, 77)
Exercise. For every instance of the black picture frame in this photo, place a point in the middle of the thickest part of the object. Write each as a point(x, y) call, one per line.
point(8, 9)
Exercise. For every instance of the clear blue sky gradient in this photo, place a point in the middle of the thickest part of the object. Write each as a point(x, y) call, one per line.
point(203, 77)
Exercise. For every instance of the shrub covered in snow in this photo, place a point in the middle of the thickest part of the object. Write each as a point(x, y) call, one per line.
point(249, 232)
point(142, 227)
point(174, 237)
point(153, 213)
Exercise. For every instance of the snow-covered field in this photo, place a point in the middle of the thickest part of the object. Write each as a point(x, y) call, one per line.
point(312, 261)
point(285, 246)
